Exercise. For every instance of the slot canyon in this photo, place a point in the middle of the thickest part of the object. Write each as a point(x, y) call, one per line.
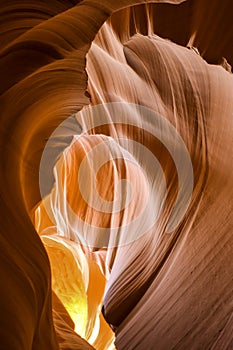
point(116, 202)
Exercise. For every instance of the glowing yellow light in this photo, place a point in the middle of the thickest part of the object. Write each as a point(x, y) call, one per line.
point(67, 281)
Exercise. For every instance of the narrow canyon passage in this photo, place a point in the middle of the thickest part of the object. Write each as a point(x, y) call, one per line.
point(116, 175)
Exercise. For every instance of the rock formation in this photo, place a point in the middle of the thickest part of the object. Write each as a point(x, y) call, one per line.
point(116, 175)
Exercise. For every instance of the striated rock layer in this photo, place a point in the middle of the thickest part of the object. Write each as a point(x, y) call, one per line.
point(104, 218)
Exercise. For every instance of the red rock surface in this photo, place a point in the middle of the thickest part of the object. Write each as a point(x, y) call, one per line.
point(160, 290)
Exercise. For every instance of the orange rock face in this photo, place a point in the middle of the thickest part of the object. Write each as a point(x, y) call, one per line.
point(116, 175)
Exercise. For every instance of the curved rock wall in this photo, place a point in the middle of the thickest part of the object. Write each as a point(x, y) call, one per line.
point(140, 87)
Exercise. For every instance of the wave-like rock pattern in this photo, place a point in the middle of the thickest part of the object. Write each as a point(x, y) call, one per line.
point(162, 290)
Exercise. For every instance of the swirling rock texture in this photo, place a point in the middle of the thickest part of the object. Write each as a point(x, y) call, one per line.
point(73, 273)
